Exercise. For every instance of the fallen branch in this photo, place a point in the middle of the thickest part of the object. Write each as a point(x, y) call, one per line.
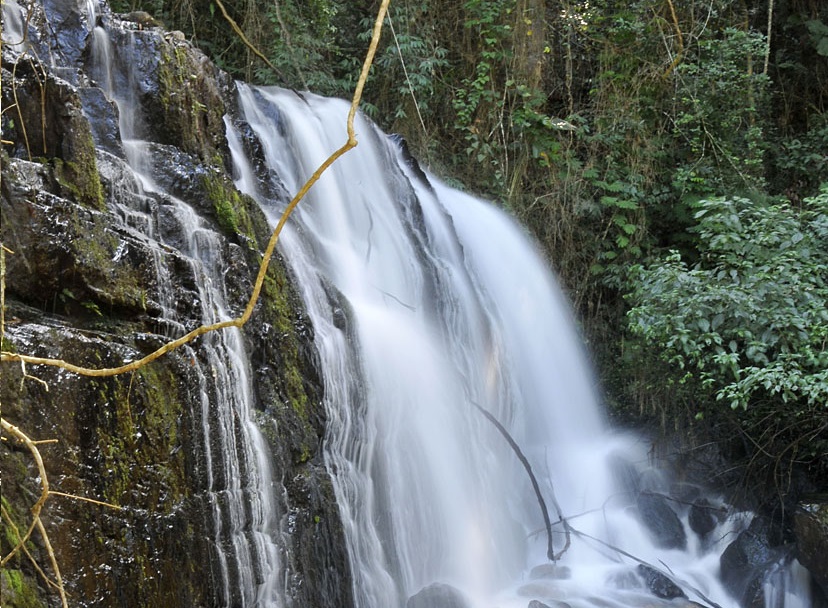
point(550, 549)
point(701, 595)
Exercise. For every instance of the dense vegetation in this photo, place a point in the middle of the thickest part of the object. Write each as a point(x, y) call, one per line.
point(667, 155)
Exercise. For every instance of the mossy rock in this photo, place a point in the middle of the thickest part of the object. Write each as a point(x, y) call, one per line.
point(18, 590)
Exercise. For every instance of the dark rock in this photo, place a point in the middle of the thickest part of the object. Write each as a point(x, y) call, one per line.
point(664, 526)
point(104, 120)
point(438, 595)
point(748, 560)
point(659, 584)
point(69, 28)
point(85, 284)
point(811, 530)
point(701, 517)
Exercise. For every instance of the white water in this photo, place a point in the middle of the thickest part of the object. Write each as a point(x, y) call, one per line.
point(449, 305)
point(236, 465)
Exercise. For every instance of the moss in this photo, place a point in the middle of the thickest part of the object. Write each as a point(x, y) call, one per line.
point(231, 208)
point(138, 434)
point(192, 109)
point(18, 590)
point(80, 176)
point(113, 282)
point(280, 311)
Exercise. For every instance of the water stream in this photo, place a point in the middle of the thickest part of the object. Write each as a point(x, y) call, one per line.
point(429, 304)
point(237, 472)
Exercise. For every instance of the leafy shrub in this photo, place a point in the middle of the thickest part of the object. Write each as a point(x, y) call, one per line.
point(747, 322)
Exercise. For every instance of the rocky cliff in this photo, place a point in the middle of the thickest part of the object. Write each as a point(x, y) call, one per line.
point(98, 272)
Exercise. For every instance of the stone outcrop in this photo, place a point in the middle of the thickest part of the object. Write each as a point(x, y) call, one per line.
point(811, 529)
point(82, 284)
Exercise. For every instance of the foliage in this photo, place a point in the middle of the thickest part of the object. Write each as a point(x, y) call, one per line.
point(747, 322)
point(599, 125)
point(720, 97)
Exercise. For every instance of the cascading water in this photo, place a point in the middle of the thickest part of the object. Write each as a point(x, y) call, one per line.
point(237, 469)
point(429, 304)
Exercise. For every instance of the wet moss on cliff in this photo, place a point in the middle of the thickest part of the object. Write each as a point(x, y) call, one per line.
point(232, 209)
point(192, 107)
point(50, 127)
point(79, 177)
point(18, 590)
point(138, 434)
point(103, 264)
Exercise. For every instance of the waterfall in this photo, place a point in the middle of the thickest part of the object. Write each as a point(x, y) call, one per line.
point(236, 470)
point(427, 304)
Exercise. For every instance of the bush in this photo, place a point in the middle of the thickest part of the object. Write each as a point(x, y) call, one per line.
point(746, 323)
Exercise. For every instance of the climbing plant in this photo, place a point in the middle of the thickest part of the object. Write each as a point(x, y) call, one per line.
point(10, 356)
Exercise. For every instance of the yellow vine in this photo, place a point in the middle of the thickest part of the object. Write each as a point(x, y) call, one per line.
point(271, 246)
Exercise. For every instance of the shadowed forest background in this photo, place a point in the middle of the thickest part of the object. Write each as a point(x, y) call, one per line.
point(669, 157)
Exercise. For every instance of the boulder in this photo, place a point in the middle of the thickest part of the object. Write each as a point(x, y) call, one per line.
point(661, 521)
point(659, 584)
point(438, 595)
point(811, 530)
point(750, 559)
point(701, 517)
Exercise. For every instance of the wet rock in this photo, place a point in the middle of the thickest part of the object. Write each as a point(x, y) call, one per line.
point(438, 595)
point(69, 27)
point(551, 604)
point(811, 530)
point(104, 127)
point(551, 571)
point(664, 526)
point(748, 560)
point(701, 518)
point(84, 285)
point(659, 584)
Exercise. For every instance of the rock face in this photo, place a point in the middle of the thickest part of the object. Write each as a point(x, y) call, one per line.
point(98, 273)
point(438, 595)
point(661, 521)
point(748, 561)
point(811, 528)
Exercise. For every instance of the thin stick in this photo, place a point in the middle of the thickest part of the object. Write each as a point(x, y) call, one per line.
point(92, 500)
point(37, 567)
point(44, 484)
point(52, 559)
point(550, 549)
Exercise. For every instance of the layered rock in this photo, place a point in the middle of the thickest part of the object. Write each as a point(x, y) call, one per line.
point(87, 282)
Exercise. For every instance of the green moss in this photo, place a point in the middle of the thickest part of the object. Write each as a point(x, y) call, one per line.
point(231, 208)
point(192, 108)
point(80, 176)
point(280, 310)
point(95, 250)
point(18, 590)
point(138, 434)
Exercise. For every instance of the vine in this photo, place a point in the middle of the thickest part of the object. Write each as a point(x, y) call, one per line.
point(8, 356)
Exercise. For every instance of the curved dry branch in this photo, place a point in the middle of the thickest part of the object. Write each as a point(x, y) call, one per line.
point(36, 509)
point(550, 549)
